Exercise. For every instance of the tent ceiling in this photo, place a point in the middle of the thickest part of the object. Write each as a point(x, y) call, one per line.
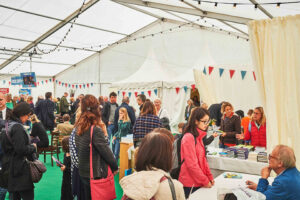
point(105, 22)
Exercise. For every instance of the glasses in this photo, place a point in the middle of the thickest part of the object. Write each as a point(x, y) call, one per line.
point(270, 156)
point(205, 122)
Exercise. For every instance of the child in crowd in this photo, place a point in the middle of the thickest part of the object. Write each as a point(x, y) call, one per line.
point(66, 188)
point(123, 129)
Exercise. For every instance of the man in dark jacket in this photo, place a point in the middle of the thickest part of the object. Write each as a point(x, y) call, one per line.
point(45, 111)
point(125, 104)
point(215, 112)
point(108, 114)
point(64, 104)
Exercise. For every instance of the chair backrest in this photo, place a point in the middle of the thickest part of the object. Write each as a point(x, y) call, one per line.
point(54, 138)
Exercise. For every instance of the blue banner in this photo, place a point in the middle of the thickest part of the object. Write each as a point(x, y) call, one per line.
point(16, 80)
point(28, 79)
point(25, 91)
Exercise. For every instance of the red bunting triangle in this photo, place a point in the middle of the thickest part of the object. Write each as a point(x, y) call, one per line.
point(87, 85)
point(254, 76)
point(38, 83)
point(80, 86)
point(59, 83)
point(66, 84)
point(123, 93)
point(135, 93)
point(149, 92)
point(177, 89)
point(35, 84)
point(210, 69)
point(193, 87)
point(46, 81)
point(9, 82)
point(72, 86)
point(231, 72)
point(53, 79)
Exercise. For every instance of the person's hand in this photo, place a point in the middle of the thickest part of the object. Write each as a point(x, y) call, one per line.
point(114, 138)
point(215, 134)
point(212, 182)
point(115, 172)
point(239, 136)
point(251, 185)
point(223, 134)
point(209, 185)
point(62, 168)
point(265, 172)
point(34, 144)
point(109, 123)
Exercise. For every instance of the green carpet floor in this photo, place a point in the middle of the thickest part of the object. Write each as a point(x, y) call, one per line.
point(49, 188)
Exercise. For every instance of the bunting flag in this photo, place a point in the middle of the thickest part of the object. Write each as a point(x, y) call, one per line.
point(3, 81)
point(80, 86)
point(76, 86)
point(42, 82)
point(83, 85)
point(46, 81)
point(118, 93)
point(221, 70)
point(92, 84)
point(123, 93)
point(135, 94)
point(143, 93)
point(69, 85)
point(9, 82)
point(62, 84)
point(204, 70)
point(254, 76)
point(50, 80)
point(193, 87)
point(155, 92)
point(87, 85)
point(210, 69)
point(177, 90)
point(53, 79)
point(56, 81)
point(149, 93)
point(243, 73)
point(231, 73)
point(66, 84)
point(59, 83)
point(185, 88)
point(129, 94)
point(38, 83)
point(72, 86)
point(35, 84)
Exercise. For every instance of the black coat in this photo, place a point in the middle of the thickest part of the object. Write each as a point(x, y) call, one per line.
point(232, 126)
point(102, 155)
point(45, 112)
point(188, 111)
point(106, 112)
point(15, 152)
point(39, 130)
point(215, 113)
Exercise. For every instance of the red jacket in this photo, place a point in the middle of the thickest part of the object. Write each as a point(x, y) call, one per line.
point(194, 171)
point(257, 136)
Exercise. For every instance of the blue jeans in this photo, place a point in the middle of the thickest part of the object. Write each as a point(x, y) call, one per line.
point(2, 193)
point(110, 129)
point(116, 148)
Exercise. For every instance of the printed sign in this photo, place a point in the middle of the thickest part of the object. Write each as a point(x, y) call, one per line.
point(28, 79)
point(25, 92)
point(16, 80)
point(4, 90)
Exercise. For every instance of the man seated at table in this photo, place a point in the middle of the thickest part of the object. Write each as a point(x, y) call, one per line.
point(65, 128)
point(286, 185)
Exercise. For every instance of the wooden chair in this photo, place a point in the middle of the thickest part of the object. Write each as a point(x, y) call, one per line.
point(52, 149)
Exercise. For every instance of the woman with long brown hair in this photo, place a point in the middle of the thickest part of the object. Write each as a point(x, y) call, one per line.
point(102, 155)
point(256, 131)
point(145, 123)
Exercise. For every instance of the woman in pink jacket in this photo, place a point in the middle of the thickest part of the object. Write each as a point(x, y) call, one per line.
point(195, 172)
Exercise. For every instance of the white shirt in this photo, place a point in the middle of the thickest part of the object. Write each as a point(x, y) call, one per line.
point(163, 113)
point(4, 113)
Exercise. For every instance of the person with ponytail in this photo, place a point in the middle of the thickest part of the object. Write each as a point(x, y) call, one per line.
point(195, 172)
point(102, 155)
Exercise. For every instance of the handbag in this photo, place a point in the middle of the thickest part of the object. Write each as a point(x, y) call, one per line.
point(37, 168)
point(104, 188)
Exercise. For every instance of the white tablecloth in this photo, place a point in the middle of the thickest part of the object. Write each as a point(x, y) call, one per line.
point(234, 164)
point(222, 183)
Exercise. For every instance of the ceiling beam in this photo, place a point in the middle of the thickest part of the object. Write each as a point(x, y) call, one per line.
point(187, 20)
point(261, 8)
point(10, 54)
point(41, 62)
point(190, 11)
point(49, 32)
point(193, 6)
point(44, 43)
point(57, 19)
point(140, 10)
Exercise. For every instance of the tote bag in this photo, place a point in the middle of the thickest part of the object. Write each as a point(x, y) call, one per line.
point(104, 188)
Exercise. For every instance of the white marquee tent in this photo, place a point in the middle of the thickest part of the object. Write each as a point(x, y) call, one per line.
point(111, 39)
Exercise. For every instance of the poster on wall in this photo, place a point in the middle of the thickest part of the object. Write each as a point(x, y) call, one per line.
point(16, 80)
point(28, 79)
point(4, 90)
point(25, 92)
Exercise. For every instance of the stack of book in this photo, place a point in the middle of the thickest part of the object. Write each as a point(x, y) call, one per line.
point(242, 153)
point(262, 157)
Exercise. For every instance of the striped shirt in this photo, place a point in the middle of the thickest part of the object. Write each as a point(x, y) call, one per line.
point(144, 125)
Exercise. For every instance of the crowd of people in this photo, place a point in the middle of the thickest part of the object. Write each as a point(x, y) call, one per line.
point(92, 129)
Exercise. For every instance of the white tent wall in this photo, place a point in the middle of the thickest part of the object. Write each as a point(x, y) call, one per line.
point(87, 71)
point(39, 90)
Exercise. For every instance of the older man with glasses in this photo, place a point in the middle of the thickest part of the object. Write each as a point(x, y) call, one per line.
point(286, 185)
